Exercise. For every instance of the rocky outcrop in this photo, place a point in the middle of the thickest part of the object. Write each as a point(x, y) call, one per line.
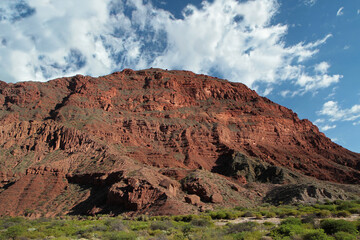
point(304, 193)
point(134, 194)
point(238, 165)
point(204, 188)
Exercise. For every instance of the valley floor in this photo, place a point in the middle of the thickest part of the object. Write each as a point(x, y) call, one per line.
point(338, 220)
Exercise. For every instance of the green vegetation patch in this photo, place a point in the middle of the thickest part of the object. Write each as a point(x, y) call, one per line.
point(304, 223)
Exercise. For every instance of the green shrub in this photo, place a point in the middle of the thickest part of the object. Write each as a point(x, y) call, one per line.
point(15, 231)
point(357, 224)
point(201, 222)
point(269, 224)
point(323, 214)
point(332, 226)
point(355, 210)
point(292, 221)
point(143, 218)
point(239, 208)
point(98, 228)
point(309, 219)
point(343, 214)
point(347, 205)
point(11, 221)
point(248, 214)
point(270, 215)
point(316, 234)
point(344, 236)
point(119, 235)
point(288, 230)
point(161, 225)
point(222, 214)
point(329, 207)
point(242, 227)
point(184, 218)
point(253, 235)
point(116, 225)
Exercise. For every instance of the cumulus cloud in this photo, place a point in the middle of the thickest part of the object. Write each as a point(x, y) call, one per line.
point(340, 12)
point(332, 110)
point(320, 79)
point(43, 39)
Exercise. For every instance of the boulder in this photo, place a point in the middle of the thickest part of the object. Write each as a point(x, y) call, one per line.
point(193, 199)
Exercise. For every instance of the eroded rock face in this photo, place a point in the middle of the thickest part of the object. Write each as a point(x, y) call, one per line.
point(37, 189)
point(238, 165)
point(303, 193)
point(134, 194)
point(167, 122)
point(204, 188)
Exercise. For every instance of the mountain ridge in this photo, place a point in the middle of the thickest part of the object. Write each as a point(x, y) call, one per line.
point(170, 123)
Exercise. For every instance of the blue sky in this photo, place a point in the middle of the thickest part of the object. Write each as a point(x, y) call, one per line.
point(303, 54)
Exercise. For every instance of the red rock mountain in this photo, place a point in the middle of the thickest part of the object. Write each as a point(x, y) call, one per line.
point(149, 141)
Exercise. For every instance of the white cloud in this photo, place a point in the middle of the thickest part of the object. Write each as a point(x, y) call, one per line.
point(321, 123)
point(285, 93)
point(336, 113)
point(322, 67)
point(267, 91)
point(318, 121)
point(310, 2)
point(327, 127)
point(320, 79)
point(358, 11)
point(340, 12)
point(232, 39)
point(346, 47)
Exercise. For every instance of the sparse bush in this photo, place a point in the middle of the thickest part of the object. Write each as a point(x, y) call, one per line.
point(116, 225)
point(344, 236)
point(242, 227)
point(343, 214)
point(248, 214)
point(143, 218)
point(119, 235)
point(161, 225)
point(222, 214)
point(184, 218)
point(323, 214)
point(332, 226)
point(292, 221)
point(309, 219)
point(14, 232)
point(316, 234)
point(201, 222)
point(270, 215)
point(347, 205)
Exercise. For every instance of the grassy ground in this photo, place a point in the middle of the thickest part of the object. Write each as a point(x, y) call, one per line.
point(308, 222)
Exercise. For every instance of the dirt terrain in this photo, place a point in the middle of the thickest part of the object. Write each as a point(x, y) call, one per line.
point(158, 142)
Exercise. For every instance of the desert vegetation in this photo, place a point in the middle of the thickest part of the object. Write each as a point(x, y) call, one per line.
point(338, 220)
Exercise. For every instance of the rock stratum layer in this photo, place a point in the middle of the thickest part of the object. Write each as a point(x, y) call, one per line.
point(154, 141)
